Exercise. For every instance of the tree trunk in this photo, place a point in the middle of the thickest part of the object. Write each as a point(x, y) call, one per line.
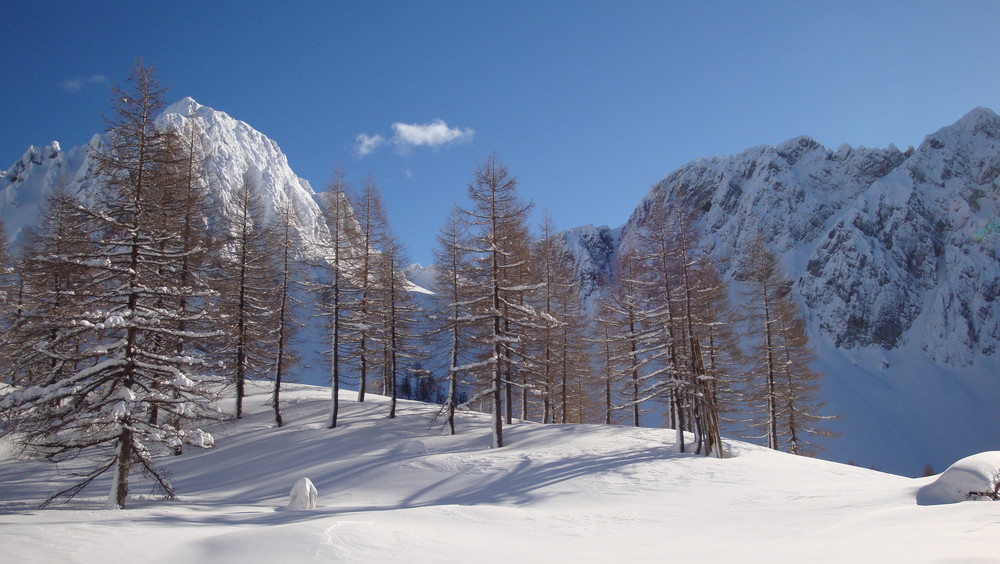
point(335, 362)
point(123, 463)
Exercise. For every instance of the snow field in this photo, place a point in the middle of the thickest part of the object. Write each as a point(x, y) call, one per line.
point(400, 490)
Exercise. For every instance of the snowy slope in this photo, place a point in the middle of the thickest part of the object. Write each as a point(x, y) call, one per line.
point(896, 259)
point(400, 491)
point(232, 149)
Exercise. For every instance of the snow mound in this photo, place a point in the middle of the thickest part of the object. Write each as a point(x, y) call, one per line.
point(416, 448)
point(303, 495)
point(975, 477)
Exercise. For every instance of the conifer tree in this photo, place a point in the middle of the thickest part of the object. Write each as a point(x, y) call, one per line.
point(684, 310)
point(335, 290)
point(520, 281)
point(53, 268)
point(285, 241)
point(657, 263)
point(181, 196)
point(783, 386)
point(561, 357)
point(8, 280)
point(634, 341)
point(396, 314)
point(694, 274)
point(108, 368)
point(370, 216)
point(455, 316)
point(245, 282)
point(495, 218)
point(604, 344)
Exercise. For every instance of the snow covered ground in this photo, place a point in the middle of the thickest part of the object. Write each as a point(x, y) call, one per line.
point(403, 491)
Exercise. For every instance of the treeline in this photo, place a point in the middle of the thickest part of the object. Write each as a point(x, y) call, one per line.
point(129, 317)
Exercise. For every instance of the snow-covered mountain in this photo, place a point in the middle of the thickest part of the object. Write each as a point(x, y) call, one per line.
point(896, 261)
point(233, 149)
point(895, 256)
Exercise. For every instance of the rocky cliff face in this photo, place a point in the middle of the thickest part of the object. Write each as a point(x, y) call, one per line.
point(876, 239)
point(594, 249)
point(913, 258)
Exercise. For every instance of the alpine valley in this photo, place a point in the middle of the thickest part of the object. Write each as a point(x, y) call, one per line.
point(895, 257)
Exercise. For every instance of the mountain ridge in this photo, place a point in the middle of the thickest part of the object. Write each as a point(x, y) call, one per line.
point(893, 263)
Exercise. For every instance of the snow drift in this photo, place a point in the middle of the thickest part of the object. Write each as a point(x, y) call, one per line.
point(975, 477)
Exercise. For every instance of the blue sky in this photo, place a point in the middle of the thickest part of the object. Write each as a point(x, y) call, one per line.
point(588, 103)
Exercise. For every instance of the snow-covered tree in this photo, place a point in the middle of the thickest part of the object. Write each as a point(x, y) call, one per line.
point(9, 282)
point(182, 198)
point(285, 315)
point(603, 343)
point(699, 288)
point(520, 281)
point(627, 340)
point(370, 215)
point(46, 285)
point(396, 319)
point(455, 317)
point(107, 364)
point(684, 309)
point(497, 225)
point(559, 340)
point(657, 264)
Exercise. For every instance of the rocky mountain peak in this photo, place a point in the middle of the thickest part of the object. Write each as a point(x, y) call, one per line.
point(876, 238)
point(233, 150)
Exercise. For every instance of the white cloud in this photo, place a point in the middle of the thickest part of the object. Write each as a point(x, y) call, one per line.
point(409, 135)
point(71, 85)
point(76, 84)
point(367, 144)
point(432, 134)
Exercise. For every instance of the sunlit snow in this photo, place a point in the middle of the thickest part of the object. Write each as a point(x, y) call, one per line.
point(402, 491)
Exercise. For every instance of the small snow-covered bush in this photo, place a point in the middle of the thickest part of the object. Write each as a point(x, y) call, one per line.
point(303, 495)
point(975, 477)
